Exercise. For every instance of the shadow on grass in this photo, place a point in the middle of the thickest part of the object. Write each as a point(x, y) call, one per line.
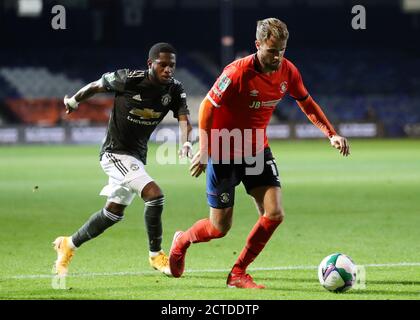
point(255, 276)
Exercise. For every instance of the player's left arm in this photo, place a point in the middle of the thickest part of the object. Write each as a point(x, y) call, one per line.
point(185, 129)
point(315, 114)
point(181, 112)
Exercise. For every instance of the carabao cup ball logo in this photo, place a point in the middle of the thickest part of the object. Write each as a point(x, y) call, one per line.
point(166, 99)
point(223, 83)
point(225, 197)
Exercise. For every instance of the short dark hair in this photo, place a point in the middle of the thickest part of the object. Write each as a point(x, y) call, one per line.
point(160, 47)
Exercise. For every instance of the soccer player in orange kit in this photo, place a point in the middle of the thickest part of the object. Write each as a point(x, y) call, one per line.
point(242, 100)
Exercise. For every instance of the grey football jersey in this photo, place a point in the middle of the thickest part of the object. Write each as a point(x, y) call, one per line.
point(139, 106)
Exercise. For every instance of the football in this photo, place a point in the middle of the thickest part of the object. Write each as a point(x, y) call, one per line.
point(337, 272)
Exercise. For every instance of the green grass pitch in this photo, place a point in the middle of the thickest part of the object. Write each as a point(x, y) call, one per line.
point(366, 206)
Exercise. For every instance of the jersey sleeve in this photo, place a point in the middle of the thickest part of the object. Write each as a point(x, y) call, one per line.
point(224, 86)
point(180, 101)
point(115, 81)
point(297, 89)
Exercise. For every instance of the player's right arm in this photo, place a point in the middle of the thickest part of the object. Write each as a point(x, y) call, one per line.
point(83, 94)
point(111, 81)
point(223, 89)
point(205, 119)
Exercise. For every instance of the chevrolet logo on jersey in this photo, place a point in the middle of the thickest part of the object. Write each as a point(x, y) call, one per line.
point(145, 113)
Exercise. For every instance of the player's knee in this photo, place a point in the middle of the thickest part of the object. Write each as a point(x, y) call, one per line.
point(222, 229)
point(115, 208)
point(221, 219)
point(222, 226)
point(276, 215)
point(151, 192)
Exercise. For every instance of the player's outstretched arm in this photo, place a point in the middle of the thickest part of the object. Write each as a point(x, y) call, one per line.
point(186, 130)
point(314, 113)
point(84, 93)
point(341, 144)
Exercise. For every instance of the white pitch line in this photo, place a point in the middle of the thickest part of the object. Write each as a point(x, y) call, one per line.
point(139, 273)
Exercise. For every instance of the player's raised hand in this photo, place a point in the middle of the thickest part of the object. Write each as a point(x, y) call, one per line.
point(198, 164)
point(70, 103)
point(341, 144)
point(186, 151)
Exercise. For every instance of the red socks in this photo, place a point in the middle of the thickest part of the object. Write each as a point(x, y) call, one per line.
point(201, 231)
point(257, 239)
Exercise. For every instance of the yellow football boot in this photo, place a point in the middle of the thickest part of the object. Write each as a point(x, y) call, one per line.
point(64, 255)
point(161, 263)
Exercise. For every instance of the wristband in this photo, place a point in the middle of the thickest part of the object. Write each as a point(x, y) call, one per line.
point(187, 144)
point(72, 103)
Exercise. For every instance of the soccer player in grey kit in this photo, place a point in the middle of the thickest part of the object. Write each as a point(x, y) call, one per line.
point(142, 100)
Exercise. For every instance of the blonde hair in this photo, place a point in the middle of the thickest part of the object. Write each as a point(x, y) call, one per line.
point(271, 27)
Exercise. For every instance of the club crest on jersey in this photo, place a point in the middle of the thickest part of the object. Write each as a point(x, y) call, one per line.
point(137, 97)
point(223, 83)
point(145, 113)
point(283, 87)
point(166, 99)
point(225, 197)
point(134, 167)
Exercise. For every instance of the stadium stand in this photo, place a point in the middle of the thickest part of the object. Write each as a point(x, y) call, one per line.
point(355, 76)
point(371, 89)
point(35, 82)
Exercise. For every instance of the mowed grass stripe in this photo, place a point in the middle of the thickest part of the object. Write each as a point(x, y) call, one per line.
point(280, 268)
